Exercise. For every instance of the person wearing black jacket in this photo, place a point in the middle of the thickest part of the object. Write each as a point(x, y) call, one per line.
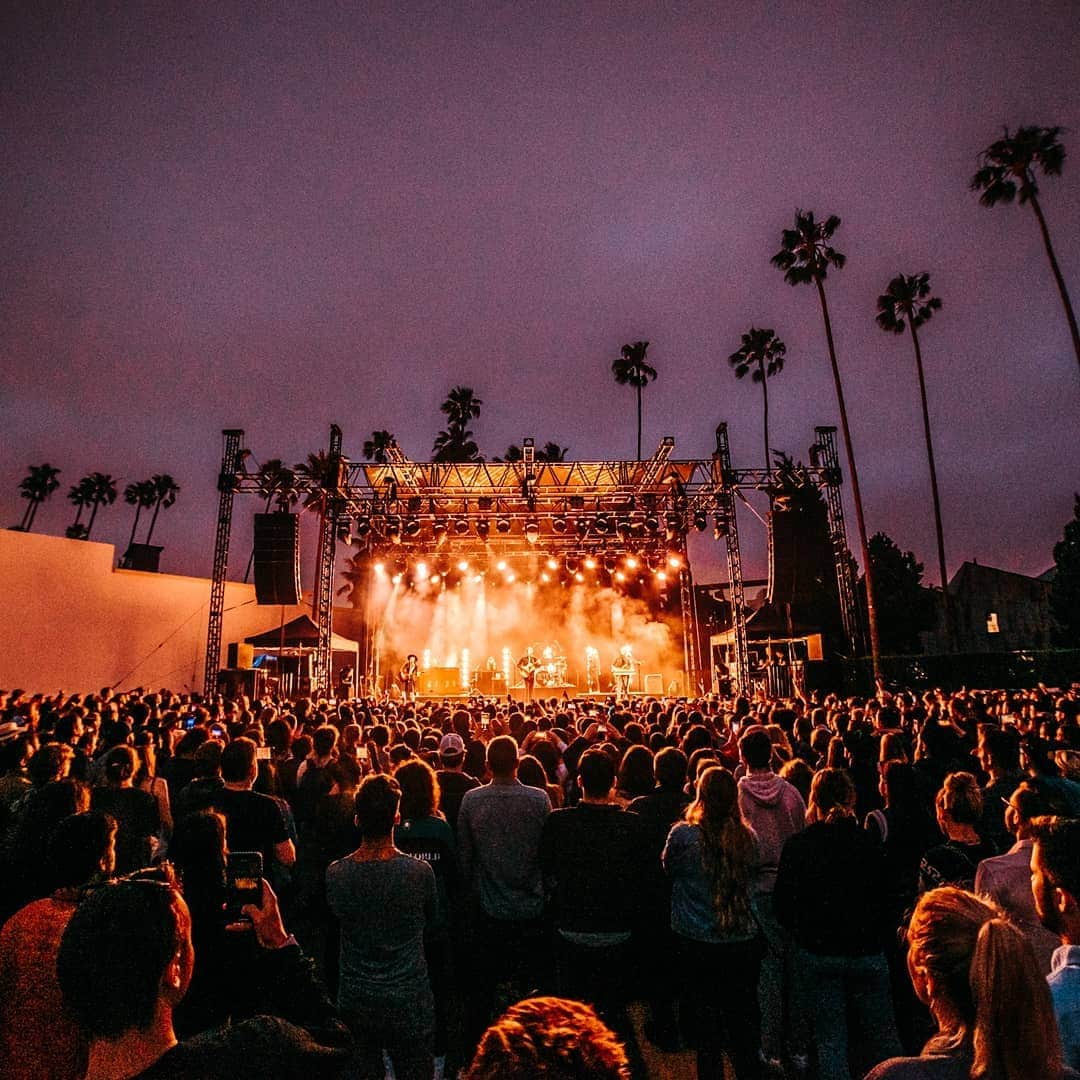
point(831, 893)
point(125, 962)
point(595, 865)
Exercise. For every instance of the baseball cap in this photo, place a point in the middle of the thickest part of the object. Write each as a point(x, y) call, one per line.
point(451, 745)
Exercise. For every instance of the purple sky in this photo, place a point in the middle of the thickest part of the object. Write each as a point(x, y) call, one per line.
point(254, 215)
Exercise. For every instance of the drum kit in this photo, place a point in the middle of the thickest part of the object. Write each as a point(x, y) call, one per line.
point(553, 666)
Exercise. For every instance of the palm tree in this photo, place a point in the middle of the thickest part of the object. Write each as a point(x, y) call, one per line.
point(550, 451)
point(165, 491)
point(1008, 166)
point(375, 448)
point(761, 352)
point(907, 302)
point(461, 406)
point(142, 496)
point(805, 256)
point(38, 484)
point(80, 495)
point(632, 369)
point(100, 491)
point(455, 443)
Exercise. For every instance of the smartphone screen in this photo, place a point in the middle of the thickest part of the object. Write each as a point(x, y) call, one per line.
point(262, 753)
point(244, 871)
point(362, 753)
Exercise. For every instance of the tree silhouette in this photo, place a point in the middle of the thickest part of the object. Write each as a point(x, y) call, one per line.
point(907, 302)
point(907, 606)
point(1008, 167)
point(631, 368)
point(762, 353)
point(456, 442)
point(550, 451)
point(80, 495)
point(376, 447)
point(165, 491)
point(805, 257)
point(102, 492)
point(142, 495)
point(38, 484)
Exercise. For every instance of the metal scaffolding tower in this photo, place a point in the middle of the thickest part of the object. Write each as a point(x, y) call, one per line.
point(228, 485)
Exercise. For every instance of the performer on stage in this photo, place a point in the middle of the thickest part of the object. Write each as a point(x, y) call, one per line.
point(527, 667)
point(623, 671)
point(409, 676)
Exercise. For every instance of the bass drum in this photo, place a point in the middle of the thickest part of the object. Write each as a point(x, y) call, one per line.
point(546, 678)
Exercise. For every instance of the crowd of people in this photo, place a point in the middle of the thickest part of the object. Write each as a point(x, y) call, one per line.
point(884, 887)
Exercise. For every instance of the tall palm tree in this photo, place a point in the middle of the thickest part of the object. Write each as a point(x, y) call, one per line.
point(631, 368)
point(80, 495)
point(461, 406)
point(907, 302)
point(38, 484)
point(1008, 167)
point(142, 495)
point(761, 352)
point(165, 491)
point(805, 256)
point(375, 448)
point(102, 489)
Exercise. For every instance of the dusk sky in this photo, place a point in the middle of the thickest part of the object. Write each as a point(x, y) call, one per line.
point(277, 216)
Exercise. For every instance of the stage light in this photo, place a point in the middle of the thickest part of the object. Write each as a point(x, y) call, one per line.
point(673, 524)
point(511, 577)
point(463, 565)
point(363, 526)
point(532, 530)
point(579, 576)
point(610, 564)
point(619, 575)
point(674, 562)
point(602, 524)
point(477, 578)
point(701, 519)
point(434, 579)
point(412, 527)
point(631, 562)
point(461, 526)
point(558, 523)
point(393, 529)
point(582, 526)
point(438, 527)
point(571, 564)
point(553, 564)
point(590, 563)
point(720, 527)
point(482, 529)
point(396, 579)
point(661, 576)
point(652, 523)
point(379, 568)
point(502, 524)
point(501, 564)
point(544, 577)
point(622, 527)
point(421, 571)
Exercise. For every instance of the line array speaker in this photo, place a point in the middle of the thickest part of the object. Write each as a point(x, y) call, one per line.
point(277, 558)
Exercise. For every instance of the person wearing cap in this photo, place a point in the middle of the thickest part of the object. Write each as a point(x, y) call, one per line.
point(454, 781)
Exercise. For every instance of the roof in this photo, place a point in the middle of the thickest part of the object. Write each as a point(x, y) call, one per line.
point(301, 632)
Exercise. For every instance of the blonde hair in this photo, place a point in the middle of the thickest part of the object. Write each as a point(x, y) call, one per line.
point(832, 796)
point(985, 987)
point(727, 849)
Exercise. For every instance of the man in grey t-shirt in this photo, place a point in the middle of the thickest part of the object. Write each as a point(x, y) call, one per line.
point(384, 900)
point(499, 827)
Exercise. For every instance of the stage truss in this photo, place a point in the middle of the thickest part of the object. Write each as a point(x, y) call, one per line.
point(519, 508)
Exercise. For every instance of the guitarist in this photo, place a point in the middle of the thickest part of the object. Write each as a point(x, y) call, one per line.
point(527, 667)
point(409, 676)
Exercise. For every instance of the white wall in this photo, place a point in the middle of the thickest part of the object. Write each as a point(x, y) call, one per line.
point(70, 621)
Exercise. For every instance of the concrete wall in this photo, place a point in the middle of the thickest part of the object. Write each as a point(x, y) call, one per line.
point(71, 621)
